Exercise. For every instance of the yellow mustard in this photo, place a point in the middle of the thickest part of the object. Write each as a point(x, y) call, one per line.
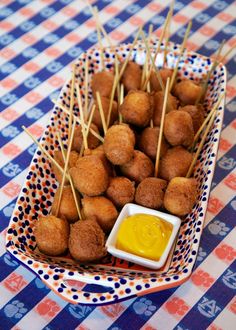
point(144, 235)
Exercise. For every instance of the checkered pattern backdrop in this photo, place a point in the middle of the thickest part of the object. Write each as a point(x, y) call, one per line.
point(39, 40)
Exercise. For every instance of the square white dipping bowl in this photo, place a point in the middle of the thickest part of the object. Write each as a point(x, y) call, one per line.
point(132, 209)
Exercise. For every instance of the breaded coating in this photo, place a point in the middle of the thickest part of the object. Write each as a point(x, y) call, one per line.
point(93, 142)
point(137, 108)
point(67, 205)
point(131, 78)
point(139, 167)
point(174, 163)
point(120, 191)
point(150, 193)
point(158, 99)
point(197, 114)
point(105, 106)
point(164, 73)
point(102, 209)
point(99, 151)
point(52, 234)
point(180, 196)
point(178, 128)
point(148, 142)
point(90, 176)
point(87, 241)
point(187, 92)
point(102, 82)
point(119, 144)
point(74, 156)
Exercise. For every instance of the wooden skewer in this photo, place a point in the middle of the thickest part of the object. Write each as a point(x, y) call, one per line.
point(100, 46)
point(157, 50)
point(86, 88)
point(213, 66)
point(161, 127)
point(44, 151)
point(190, 170)
point(227, 53)
point(94, 11)
point(114, 86)
point(90, 119)
point(121, 100)
point(62, 107)
point(71, 99)
point(85, 141)
point(71, 134)
point(206, 120)
point(168, 31)
point(153, 63)
point(99, 102)
point(71, 182)
point(180, 55)
point(146, 63)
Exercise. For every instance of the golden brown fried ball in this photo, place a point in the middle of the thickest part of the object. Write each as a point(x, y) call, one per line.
point(137, 108)
point(139, 167)
point(67, 208)
point(102, 82)
point(180, 196)
point(197, 114)
point(178, 128)
point(150, 192)
point(175, 162)
point(99, 151)
point(52, 234)
point(120, 191)
point(105, 106)
point(74, 156)
point(102, 209)
point(93, 142)
point(164, 73)
point(87, 241)
point(119, 144)
point(131, 78)
point(187, 91)
point(148, 142)
point(158, 100)
point(90, 176)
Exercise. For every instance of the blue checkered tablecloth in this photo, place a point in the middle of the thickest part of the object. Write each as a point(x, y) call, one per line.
point(39, 40)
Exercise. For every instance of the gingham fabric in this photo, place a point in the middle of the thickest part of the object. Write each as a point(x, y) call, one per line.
point(39, 40)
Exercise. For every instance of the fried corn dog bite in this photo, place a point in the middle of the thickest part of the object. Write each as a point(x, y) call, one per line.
point(105, 106)
point(187, 92)
point(180, 196)
point(138, 168)
point(90, 176)
point(102, 82)
point(99, 152)
point(120, 191)
point(178, 128)
point(74, 156)
point(67, 205)
point(164, 73)
point(137, 108)
point(150, 192)
point(148, 142)
point(87, 241)
point(197, 114)
point(175, 163)
point(158, 101)
point(119, 144)
point(51, 235)
point(131, 78)
point(102, 209)
point(93, 142)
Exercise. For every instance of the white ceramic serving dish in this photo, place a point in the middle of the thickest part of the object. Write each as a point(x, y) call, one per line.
point(132, 209)
point(123, 279)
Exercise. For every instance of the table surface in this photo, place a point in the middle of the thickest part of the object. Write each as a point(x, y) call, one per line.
point(39, 40)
